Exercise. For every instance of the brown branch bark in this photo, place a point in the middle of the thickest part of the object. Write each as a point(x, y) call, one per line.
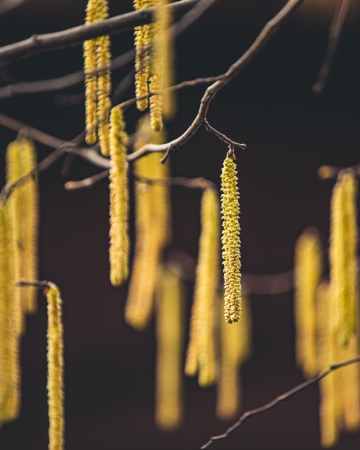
point(270, 28)
point(77, 35)
point(279, 399)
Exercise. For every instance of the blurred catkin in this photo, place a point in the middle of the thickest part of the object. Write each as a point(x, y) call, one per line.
point(235, 349)
point(55, 360)
point(21, 159)
point(329, 391)
point(119, 199)
point(169, 331)
point(230, 212)
point(9, 316)
point(152, 229)
point(343, 251)
point(308, 271)
point(201, 349)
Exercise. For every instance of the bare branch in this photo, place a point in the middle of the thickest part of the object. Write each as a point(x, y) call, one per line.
point(77, 35)
point(280, 399)
point(87, 182)
point(270, 28)
point(8, 5)
point(40, 284)
point(334, 36)
point(222, 136)
point(328, 172)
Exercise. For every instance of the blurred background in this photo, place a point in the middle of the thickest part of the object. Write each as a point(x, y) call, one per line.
point(289, 132)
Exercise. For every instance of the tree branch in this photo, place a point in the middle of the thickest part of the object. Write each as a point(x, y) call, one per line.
point(77, 35)
point(279, 399)
point(270, 28)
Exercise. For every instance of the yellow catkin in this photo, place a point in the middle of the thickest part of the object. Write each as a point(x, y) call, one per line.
point(201, 351)
point(169, 325)
point(308, 270)
point(90, 76)
point(343, 247)
point(143, 50)
point(329, 398)
point(152, 230)
point(119, 199)
point(21, 159)
point(235, 348)
point(55, 360)
point(9, 313)
point(230, 211)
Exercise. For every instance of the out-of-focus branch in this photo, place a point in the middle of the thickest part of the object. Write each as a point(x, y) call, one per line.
point(280, 399)
point(77, 35)
point(328, 172)
point(8, 5)
point(334, 36)
point(270, 28)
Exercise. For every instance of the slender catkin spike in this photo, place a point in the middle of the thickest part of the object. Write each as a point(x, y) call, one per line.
point(9, 313)
point(343, 246)
point(90, 76)
point(119, 199)
point(308, 270)
point(235, 348)
point(329, 412)
point(55, 362)
point(169, 325)
point(152, 230)
point(201, 348)
point(230, 211)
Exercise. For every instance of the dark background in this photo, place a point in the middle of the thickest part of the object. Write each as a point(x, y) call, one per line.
point(289, 132)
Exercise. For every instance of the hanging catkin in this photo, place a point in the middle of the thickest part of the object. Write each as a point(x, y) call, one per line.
point(235, 348)
point(143, 50)
point(55, 362)
point(169, 325)
point(119, 199)
point(343, 248)
point(230, 239)
point(21, 159)
point(97, 79)
point(329, 395)
point(201, 350)
point(9, 316)
point(308, 270)
point(152, 230)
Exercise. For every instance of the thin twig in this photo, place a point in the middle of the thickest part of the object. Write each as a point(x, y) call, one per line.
point(270, 28)
point(334, 36)
point(40, 284)
point(87, 182)
point(279, 399)
point(223, 137)
point(77, 35)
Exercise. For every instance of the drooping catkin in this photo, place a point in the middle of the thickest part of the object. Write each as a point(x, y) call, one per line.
point(235, 349)
point(97, 79)
point(230, 239)
point(201, 349)
point(9, 316)
point(169, 326)
point(152, 230)
point(21, 159)
point(119, 199)
point(55, 360)
point(329, 395)
point(343, 248)
point(308, 270)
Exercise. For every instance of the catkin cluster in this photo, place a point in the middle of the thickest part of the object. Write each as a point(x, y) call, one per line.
point(152, 215)
point(119, 199)
point(230, 239)
point(97, 80)
point(55, 360)
point(154, 63)
point(169, 330)
point(201, 350)
point(308, 272)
